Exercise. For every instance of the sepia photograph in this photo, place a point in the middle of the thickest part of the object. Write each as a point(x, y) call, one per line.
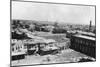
point(44, 33)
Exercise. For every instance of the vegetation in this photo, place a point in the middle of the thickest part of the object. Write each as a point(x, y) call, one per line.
point(58, 30)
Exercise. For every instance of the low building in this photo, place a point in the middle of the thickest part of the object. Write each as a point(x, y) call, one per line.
point(39, 45)
point(84, 44)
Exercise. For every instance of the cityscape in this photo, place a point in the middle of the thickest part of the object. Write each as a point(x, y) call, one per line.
point(36, 42)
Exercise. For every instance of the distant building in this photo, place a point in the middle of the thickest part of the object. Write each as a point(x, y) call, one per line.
point(50, 28)
point(84, 44)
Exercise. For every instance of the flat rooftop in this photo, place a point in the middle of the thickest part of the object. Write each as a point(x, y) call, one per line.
point(85, 37)
point(87, 33)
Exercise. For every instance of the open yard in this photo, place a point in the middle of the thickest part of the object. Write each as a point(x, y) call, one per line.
point(57, 37)
point(67, 56)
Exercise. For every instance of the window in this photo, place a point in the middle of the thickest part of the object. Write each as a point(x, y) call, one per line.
point(12, 49)
point(16, 48)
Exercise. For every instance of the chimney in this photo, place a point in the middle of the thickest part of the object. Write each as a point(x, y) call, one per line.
point(90, 25)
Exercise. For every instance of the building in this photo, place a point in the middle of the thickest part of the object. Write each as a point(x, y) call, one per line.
point(84, 44)
point(40, 46)
point(18, 51)
point(70, 33)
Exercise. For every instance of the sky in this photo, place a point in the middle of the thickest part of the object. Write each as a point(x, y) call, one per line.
point(53, 12)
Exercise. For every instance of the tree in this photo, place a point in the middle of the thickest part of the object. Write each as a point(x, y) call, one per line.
point(58, 30)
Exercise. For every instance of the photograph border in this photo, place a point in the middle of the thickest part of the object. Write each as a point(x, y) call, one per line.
point(47, 3)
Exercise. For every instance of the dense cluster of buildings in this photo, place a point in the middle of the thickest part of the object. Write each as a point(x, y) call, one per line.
point(30, 44)
point(24, 42)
